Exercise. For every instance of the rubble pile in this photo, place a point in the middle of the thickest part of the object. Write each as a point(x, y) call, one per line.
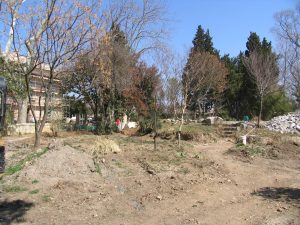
point(289, 123)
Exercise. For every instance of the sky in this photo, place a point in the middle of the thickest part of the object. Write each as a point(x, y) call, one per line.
point(229, 21)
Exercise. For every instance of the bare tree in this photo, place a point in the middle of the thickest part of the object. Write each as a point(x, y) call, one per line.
point(178, 71)
point(9, 18)
point(202, 72)
point(206, 73)
point(287, 30)
point(45, 38)
point(288, 25)
point(90, 78)
point(173, 95)
point(143, 22)
point(264, 73)
point(66, 33)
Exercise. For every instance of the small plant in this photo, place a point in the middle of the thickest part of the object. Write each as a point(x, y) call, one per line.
point(33, 192)
point(35, 181)
point(117, 163)
point(46, 198)
point(14, 188)
point(184, 170)
point(198, 156)
point(250, 150)
point(239, 144)
point(98, 168)
point(181, 154)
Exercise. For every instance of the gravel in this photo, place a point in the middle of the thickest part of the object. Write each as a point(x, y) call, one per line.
point(289, 123)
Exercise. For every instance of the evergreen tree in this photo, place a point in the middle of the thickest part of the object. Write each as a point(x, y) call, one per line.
point(120, 59)
point(252, 43)
point(201, 99)
point(262, 49)
point(203, 42)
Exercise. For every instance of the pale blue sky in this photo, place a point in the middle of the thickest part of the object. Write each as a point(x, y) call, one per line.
point(229, 21)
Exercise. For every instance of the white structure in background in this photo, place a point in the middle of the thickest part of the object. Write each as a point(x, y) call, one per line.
point(132, 124)
point(124, 121)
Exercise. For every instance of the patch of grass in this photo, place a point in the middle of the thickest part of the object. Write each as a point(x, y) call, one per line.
point(119, 164)
point(181, 154)
point(35, 181)
point(33, 192)
point(184, 170)
point(198, 156)
point(46, 198)
point(250, 150)
point(98, 168)
point(257, 150)
point(14, 188)
point(188, 128)
point(20, 165)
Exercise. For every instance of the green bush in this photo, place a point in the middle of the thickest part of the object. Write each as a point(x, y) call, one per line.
point(276, 104)
point(146, 125)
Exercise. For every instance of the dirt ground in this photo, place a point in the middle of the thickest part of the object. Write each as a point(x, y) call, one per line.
point(73, 182)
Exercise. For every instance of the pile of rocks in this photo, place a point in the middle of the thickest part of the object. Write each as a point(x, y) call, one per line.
point(289, 123)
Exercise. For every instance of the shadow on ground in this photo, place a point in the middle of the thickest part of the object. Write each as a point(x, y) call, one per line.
point(288, 195)
point(13, 211)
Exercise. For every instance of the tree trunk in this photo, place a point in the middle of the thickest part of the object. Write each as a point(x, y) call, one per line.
point(260, 111)
point(40, 123)
point(22, 110)
point(77, 123)
point(155, 125)
point(174, 110)
point(39, 126)
point(37, 139)
point(85, 119)
point(181, 124)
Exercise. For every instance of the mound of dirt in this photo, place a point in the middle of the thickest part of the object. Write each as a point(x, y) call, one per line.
point(272, 150)
point(59, 163)
point(130, 131)
point(198, 137)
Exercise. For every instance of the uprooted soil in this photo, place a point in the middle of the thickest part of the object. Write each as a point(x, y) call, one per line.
point(80, 181)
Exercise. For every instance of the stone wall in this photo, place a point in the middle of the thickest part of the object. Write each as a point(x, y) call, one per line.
point(26, 128)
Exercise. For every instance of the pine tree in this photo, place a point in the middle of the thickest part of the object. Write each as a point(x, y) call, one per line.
point(262, 70)
point(252, 43)
point(203, 42)
point(202, 98)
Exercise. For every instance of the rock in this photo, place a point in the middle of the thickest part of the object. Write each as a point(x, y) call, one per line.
point(211, 120)
point(159, 197)
point(289, 123)
point(279, 210)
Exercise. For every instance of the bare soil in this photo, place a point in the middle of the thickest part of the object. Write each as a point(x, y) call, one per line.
point(198, 183)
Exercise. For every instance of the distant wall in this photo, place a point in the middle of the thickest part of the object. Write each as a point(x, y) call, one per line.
point(25, 128)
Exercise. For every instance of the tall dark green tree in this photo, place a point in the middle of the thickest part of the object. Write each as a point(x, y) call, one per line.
point(201, 99)
point(252, 43)
point(121, 59)
point(203, 42)
point(235, 94)
point(261, 64)
point(241, 96)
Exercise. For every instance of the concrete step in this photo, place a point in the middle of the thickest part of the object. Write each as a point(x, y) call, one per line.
point(228, 130)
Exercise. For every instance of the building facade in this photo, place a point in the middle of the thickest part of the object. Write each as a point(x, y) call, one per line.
point(38, 80)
